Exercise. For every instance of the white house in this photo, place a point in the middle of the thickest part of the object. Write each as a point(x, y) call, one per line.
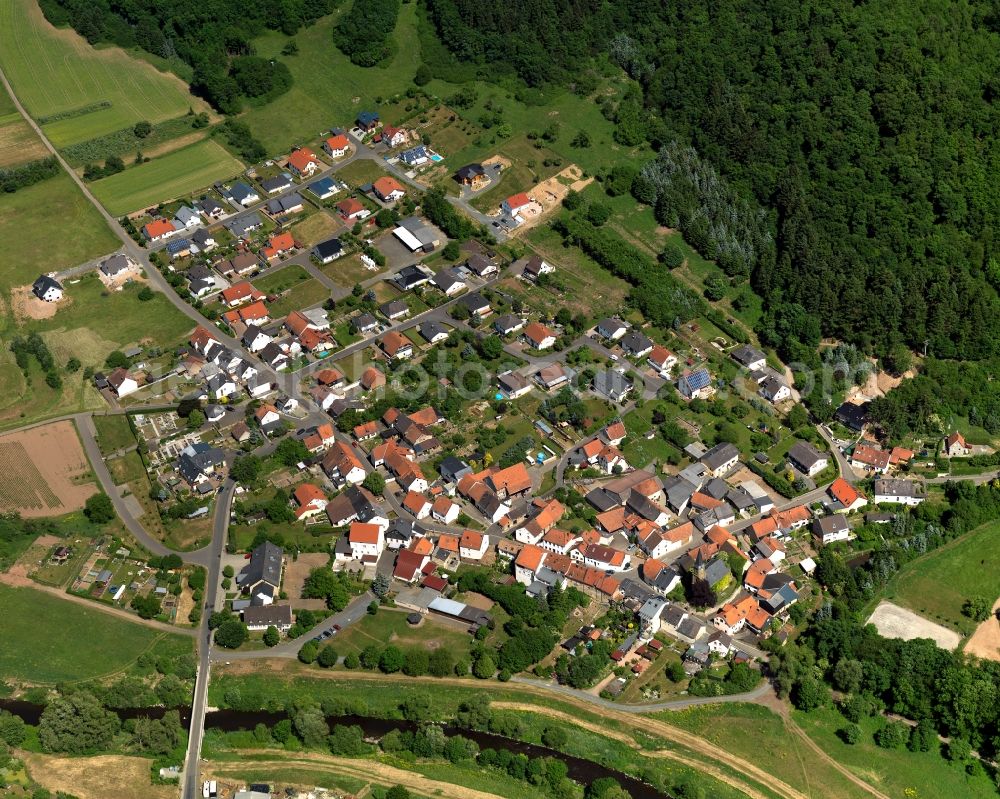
point(366, 540)
point(445, 511)
point(472, 545)
point(775, 390)
point(898, 492)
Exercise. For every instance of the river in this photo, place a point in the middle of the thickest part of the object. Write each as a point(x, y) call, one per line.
point(580, 770)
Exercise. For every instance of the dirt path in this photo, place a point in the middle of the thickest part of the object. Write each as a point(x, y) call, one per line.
point(371, 770)
point(818, 751)
point(712, 771)
point(16, 579)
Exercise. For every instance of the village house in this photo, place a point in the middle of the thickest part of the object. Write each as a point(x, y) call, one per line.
point(476, 304)
point(261, 577)
point(612, 329)
point(845, 498)
point(480, 265)
point(341, 465)
point(258, 618)
point(122, 383)
point(472, 175)
point(445, 511)
point(448, 281)
point(388, 190)
point(47, 289)
point(337, 146)
point(415, 156)
point(807, 459)
point(118, 265)
point(721, 459)
point(366, 540)
point(898, 492)
point(534, 268)
point(432, 332)
point(472, 545)
point(396, 346)
point(829, 529)
point(309, 500)
point(185, 218)
point(158, 229)
point(870, 459)
point(353, 209)
point(393, 136)
point(303, 162)
point(662, 360)
point(242, 194)
point(749, 357)
point(955, 446)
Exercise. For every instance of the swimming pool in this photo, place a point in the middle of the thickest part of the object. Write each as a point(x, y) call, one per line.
point(435, 158)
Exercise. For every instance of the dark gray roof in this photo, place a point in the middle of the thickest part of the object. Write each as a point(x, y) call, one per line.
point(475, 302)
point(719, 455)
point(611, 383)
point(635, 342)
point(507, 323)
point(678, 491)
point(43, 284)
point(453, 469)
point(394, 308)
point(268, 615)
point(805, 455)
point(264, 566)
point(114, 264)
point(244, 223)
point(430, 329)
point(277, 183)
point(445, 279)
point(717, 571)
point(364, 321)
point(746, 354)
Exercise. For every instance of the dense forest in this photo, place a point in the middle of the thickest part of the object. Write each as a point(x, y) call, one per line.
point(214, 37)
point(864, 132)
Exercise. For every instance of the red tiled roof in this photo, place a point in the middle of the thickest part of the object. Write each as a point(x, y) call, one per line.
point(385, 186)
point(301, 158)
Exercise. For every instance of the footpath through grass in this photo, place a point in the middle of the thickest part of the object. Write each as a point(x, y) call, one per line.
point(936, 585)
point(50, 640)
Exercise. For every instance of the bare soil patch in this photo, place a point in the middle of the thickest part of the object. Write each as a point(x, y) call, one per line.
point(27, 306)
point(893, 621)
point(297, 570)
point(103, 777)
point(549, 194)
point(497, 159)
point(19, 144)
point(47, 472)
point(985, 641)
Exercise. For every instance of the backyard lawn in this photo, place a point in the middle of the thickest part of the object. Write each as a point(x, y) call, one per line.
point(50, 640)
point(297, 290)
point(391, 627)
point(937, 584)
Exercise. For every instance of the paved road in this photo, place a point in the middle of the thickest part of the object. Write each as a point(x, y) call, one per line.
point(220, 526)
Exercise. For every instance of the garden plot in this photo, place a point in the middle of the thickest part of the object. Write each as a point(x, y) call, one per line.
point(47, 472)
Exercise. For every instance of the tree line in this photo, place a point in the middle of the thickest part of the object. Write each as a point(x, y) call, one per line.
point(20, 177)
